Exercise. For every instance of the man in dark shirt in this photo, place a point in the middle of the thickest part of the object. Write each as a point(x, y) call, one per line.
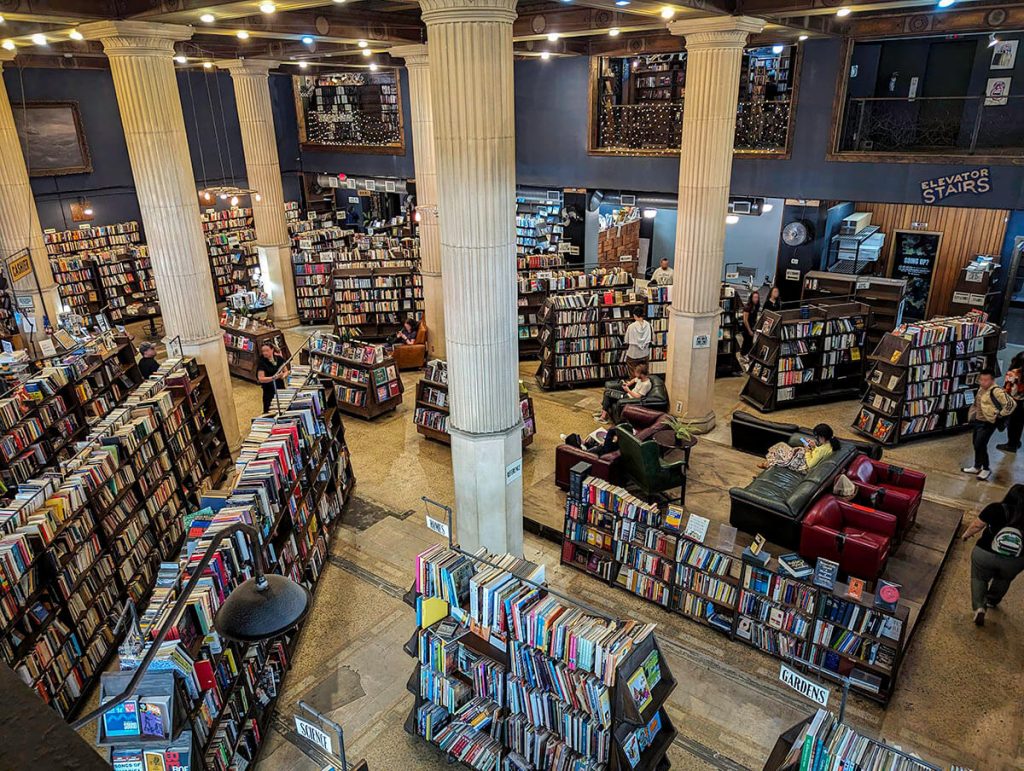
point(992, 572)
point(148, 363)
point(269, 368)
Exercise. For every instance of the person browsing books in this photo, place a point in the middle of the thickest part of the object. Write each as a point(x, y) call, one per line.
point(638, 338)
point(1013, 384)
point(147, 361)
point(662, 275)
point(990, 413)
point(270, 368)
point(998, 556)
point(636, 388)
point(750, 313)
point(774, 301)
point(805, 457)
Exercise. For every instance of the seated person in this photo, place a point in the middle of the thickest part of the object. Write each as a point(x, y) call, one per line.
point(636, 388)
point(602, 441)
point(407, 334)
point(803, 458)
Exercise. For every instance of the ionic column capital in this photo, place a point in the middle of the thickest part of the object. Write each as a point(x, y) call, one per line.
point(455, 11)
point(136, 38)
point(415, 56)
point(716, 31)
point(246, 68)
point(5, 57)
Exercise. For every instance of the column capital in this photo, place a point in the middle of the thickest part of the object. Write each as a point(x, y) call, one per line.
point(136, 38)
point(415, 55)
point(5, 57)
point(454, 11)
point(253, 68)
point(716, 31)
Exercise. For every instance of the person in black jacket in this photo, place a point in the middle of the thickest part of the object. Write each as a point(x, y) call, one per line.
point(998, 557)
point(147, 361)
point(774, 301)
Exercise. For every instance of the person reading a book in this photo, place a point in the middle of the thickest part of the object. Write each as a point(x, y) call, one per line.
point(407, 334)
point(998, 556)
point(270, 368)
point(807, 455)
point(638, 338)
point(601, 441)
point(635, 388)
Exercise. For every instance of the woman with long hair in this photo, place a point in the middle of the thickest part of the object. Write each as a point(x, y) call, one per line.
point(750, 312)
point(807, 455)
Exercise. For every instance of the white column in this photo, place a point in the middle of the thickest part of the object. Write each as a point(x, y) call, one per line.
point(422, 120)
point(714, 53)
point(263, 171)
point(474, 129)
point(141, 63)
point(19, 219)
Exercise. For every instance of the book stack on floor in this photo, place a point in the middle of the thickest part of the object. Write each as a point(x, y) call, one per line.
point(231, 244)
point(243, 338)
point(294, 476)
point(510, 677)
point(373, 302)
point(315, 251)
point(365, 374)
point(807, 355)
point(923, 377)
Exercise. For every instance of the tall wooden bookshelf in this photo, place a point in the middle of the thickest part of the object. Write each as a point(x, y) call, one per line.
point(365, 376)
point(314, 254)
point(807, 355)
point(128, 284)
point(231, 245)
point(77, 285)
point(373, 302)
point(923, 377)
point(726, 364)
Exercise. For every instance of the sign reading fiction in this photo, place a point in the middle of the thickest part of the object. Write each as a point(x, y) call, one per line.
point(974, 181)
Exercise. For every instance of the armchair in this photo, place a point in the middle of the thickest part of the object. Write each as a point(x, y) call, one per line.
point(413, 356)
point(656, 399)
point(858, 538)
point(888, 488)
point(644, 466)
point(644, 422)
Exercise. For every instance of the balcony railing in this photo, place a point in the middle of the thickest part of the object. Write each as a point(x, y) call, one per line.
point(962, 125)
point(761, 127)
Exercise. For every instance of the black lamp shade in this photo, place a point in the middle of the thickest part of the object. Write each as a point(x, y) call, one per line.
point(251, 615)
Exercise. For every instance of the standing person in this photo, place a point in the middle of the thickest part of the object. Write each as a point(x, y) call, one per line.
point(1013, 384)
point(148, 363)
point(662, 274)
point(638, 339)
point(636, 388)
point(998, 556)
point(270, 367)
point(774, 301)
point(990, 412)
point(750, 313)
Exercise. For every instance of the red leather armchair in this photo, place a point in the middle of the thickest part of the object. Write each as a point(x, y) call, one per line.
point(856, 537)
point(608, 467)
point(413, 356)
point(889, 488)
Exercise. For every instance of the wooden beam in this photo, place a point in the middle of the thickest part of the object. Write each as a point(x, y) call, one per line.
point(958, 21)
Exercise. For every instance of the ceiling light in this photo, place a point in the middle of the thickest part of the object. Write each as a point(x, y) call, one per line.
point(207, 196)
point(39, 39)
point(946, 3)
point(778, 49)
point(667, 13)
point(207, 18)
point(373, 66)
point(553, 36)
point(545, 54)
point(613, 32)
point(207, 65)
point(267, 7)
point(87, 211)
point(234, 200)
point(76, 35)
point(223, 196)
point(731, 219)
point(181, 59)
point(767, 208)
point(303, 65)
point(8, 44)
point(307, 40)
point(802, 38)
point(367, 52)
point(362, 44)
point(621, 3)
point(242, 34)
point(843, 12)
point(2, 19)
point(650, 214)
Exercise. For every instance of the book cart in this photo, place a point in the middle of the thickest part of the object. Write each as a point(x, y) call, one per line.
point(923, 377)
point(365, 375)
point(372, 302)
point(432, 406)
point(807, 355)
point(216, 714)
point(243, 337)
point(483, 691)
point(630, 544)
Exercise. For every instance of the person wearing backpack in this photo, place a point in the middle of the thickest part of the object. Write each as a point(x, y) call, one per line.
point(989, 413)
point(998, 556)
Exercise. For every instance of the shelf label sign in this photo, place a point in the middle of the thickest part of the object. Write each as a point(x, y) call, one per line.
point(313, 733)
point(439, 527)
point(806, 688)
point(513, 471)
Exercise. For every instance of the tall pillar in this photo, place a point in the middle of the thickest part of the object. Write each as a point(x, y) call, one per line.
point(471, 54)
point(140, 55)
point(714, 53)
point(19, 219)
point(263, 171)
point(418, 67)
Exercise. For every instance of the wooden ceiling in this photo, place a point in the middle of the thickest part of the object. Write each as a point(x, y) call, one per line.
point(357, 32)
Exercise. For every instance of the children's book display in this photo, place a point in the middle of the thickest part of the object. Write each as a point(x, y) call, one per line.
point(365, 375)
point(244, 336)
point(668, 558)
point(231, 244)
point(207, 702)
point(809, 354)
point(511, 677)
point(923, 377)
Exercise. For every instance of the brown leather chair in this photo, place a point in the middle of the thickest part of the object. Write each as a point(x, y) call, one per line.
point(645, 423)
point(413, 356)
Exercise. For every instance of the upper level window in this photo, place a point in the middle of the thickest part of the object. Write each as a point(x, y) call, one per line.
point(638, 102)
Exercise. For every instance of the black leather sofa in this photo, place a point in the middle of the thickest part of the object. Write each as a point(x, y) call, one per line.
point(751, 433)
point(656, 399)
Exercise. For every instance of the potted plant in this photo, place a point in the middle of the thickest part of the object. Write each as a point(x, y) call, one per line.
point(685, 431)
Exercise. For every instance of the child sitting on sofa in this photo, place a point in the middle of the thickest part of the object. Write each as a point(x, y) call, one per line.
point(807, 455)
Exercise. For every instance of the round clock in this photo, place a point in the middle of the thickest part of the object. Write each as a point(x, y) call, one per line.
point(796, 232)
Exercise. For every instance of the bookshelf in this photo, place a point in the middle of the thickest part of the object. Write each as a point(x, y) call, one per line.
point(128, 284)
point(707, 580)
point(351, 110)
point(657, 81)
point(479, 698)
point(432, 405)
point(77, 285)
point(977, 286)
point(243, 337)
point(365, 376)
point(883, 295)
point(231, 245)
point(923, 377)
point(538, 226)
point(372, 302)
point(314, 253)
point(582, 341)
point(808, 355)
point(726, 364)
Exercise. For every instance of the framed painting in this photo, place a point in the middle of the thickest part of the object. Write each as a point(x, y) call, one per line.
point(52, 138)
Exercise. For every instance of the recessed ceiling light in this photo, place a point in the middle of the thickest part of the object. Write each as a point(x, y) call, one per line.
point(307, 40)
point(39, 39)
point(621, 3)
point(267, 7)
point(946, 3)
point(181, 59)
point(553, 36)
point(668, 13)
point(731, 219)
point(802, 38)
point(362, 44)
point(613, 32)
point(303, 65)
point(843, 12)
point(242, 34)
point(207, 65)
point(545, 54)
point(367, 52)
point(373, 66)
point(207, 18)
point(76, 35)
point(778, 48)
point(9, 45)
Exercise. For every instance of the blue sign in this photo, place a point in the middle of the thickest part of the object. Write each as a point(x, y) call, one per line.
point(973, 181)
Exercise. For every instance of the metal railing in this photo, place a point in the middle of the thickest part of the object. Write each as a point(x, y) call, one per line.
point(962, 125)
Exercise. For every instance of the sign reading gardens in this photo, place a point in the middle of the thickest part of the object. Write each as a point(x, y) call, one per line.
point(974, 181)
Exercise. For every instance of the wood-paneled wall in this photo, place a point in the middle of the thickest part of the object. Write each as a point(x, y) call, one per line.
point(965, 233)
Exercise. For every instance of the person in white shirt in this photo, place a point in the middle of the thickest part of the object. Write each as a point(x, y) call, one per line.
point(636, 388)
point(662, 275)
point(638, 338)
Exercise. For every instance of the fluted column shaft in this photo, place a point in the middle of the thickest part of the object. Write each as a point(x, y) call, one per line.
point(470, 44)
point(19, 218)
point(714, 54)
point(417, 64)
point(263, 171)
point(140, 55)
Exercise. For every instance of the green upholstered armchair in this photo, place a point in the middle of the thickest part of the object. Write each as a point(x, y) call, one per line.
point(644, 465)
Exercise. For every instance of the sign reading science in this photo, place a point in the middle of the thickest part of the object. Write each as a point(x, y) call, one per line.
point(974, 181)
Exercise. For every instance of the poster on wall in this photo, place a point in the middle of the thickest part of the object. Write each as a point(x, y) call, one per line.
point(996, 91)
point(52, 138)
point(1004, 55)
point(913, 258)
